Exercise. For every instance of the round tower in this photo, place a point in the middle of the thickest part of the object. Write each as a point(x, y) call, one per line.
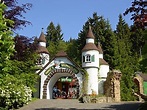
point(90, 62)
point(42, 50)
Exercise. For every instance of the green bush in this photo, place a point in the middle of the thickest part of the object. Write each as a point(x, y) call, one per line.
point(13, 94)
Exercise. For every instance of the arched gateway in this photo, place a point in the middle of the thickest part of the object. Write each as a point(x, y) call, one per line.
point(53, 77)
point(61, 72)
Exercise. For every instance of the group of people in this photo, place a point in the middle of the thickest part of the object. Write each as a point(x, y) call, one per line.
point(57, 93)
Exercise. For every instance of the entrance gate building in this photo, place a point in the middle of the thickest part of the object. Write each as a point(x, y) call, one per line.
point(56, 73)
point(63, 75)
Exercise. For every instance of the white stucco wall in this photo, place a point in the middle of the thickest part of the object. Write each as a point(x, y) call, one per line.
point(91, 64)
point(56, 76)
point(42, 44)
point(104, 69)
point(101, 56)
point(89, 40)
point(92, 80)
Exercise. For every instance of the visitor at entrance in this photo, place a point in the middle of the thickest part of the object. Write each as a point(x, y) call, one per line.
point(58, 93)
point(63, 95)
point(55, 92)
point(70, 92)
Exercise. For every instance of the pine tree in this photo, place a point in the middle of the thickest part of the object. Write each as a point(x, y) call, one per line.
point(53, 34)
point(54, 39)
point(124, 59)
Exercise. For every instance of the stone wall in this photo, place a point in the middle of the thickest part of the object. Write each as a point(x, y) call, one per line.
point(112, 85)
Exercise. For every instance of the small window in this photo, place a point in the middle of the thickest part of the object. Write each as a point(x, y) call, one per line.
point(83, 58)
point(88, 58)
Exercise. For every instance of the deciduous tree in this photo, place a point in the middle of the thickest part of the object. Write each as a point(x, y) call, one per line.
point(139, 12)
point(15, 12)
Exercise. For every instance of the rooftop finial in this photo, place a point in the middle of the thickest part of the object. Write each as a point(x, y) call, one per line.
point(89, 24)
point(42, 29)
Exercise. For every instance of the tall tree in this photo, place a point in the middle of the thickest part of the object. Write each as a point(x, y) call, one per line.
point(54, 39)
point(72, 50)
point(15, 12)
point(139, 12)
point(124, 59)
point(144, 53)
point(6, 41)
point(53, 33)
point(24, 48)
point(139, 16)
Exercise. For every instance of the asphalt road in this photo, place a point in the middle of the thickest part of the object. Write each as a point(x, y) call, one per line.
point(73, 104)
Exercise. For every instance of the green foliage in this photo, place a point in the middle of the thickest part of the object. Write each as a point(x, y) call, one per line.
point(53, 34)
point(144, 54)
point(6, 41)
point(72, 51)
point(54, 39)
point(124, 59)
point(137, 39)
point(54, 48)
point(17, 77)
point(12, 96)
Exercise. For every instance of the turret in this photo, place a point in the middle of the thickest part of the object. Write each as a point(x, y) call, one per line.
point(90, 52)
point(90, 62)
point(42, 50)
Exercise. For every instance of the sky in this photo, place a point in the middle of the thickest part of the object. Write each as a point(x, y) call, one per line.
point(71, 15)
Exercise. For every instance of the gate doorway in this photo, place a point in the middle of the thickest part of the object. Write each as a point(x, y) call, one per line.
point(65, 88)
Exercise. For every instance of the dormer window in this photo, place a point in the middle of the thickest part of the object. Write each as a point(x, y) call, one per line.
point(88, 58)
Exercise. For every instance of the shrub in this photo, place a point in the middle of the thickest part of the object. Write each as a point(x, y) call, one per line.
point(14, 94)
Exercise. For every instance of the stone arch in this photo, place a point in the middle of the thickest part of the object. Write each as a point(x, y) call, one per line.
point(52, 73)
point(138, 81)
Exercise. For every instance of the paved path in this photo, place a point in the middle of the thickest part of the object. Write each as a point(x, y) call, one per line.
point(73, 104)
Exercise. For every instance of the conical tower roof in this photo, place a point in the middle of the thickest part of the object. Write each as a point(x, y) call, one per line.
point(90, 33)
point(42, 49)
point(42, 38)
point(90, 45)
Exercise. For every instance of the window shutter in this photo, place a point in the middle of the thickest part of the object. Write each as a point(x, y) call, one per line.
point(43, 60)
point(83, 58)
point(92, 58)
